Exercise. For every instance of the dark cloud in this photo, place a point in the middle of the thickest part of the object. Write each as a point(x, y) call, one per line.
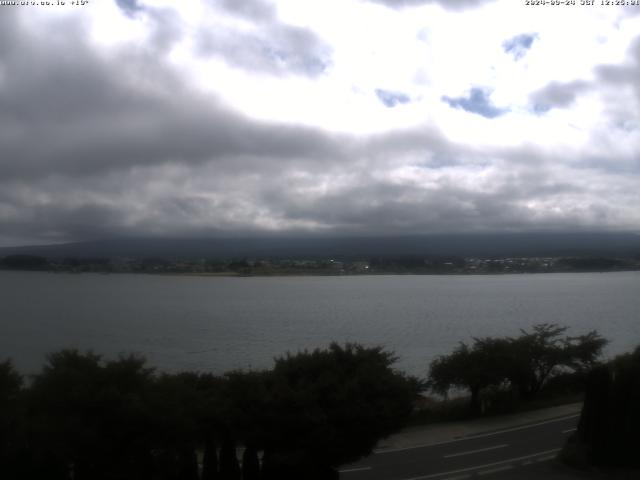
point(89, 141)
point(376, 206)
point(391, 99)
point(519, 45)
point(59, 210)
point(100, 145)
point(427, 146)
point(478, 102)
point(79, 112)
point(362, 196)
point(517, 189)
point(557, 95)
point(449, 4)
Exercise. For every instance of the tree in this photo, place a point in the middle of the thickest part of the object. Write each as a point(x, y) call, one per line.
point(10, 419)
point(330, 407)
point(540, 354)
point(607, 433)
point(474, 367)
point(90, 418)
point(87, 418)
point(229, 466)
point(181, 422)
point(524, 363)
point(250, 464)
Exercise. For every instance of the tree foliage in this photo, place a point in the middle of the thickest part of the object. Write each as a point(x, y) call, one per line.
point(609, 424)
point(524, 363)
point(10, 390)
point(334, 405)
point(543, 352)
point(472, 367)
point(88, 418)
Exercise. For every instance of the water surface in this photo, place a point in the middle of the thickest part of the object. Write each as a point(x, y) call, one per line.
point(218, 324)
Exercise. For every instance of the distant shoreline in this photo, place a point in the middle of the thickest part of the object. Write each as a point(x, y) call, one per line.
point(232, 274)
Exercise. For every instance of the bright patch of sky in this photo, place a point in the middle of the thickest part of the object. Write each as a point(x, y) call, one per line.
point(426, 53)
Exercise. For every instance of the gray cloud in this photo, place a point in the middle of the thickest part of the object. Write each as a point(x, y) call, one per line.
point(382, 206)
point(609, 78)
point(478, 102)
point(623, 74)
point(87, 140)
point(273, 47)
point(558, 95)
point(88, 113)
point(516, 189)
point(620, 89)
point(99, 146)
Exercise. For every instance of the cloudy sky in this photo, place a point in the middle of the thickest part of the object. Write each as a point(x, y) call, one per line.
point(333, 117)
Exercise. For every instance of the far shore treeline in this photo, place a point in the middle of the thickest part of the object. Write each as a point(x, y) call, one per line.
point(86, 417)
point(338, 265)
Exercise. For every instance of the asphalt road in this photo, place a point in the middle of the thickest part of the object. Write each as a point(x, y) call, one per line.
point(487, 455)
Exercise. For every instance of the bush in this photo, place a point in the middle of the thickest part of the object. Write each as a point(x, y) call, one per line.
point(88, 418)
point(610, 419)
point(524, 365)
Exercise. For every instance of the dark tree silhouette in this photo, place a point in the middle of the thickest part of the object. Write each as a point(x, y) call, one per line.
point(210, 460)
point(89, 420)
point(11, 420)
point(250, 464)
point(330, 407)
point(229, 465)
point(543, 352)
point(609, 424)
point(472, 367)
point(84, 418)
point(524, 363)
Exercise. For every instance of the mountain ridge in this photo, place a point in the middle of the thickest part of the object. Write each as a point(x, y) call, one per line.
point(462, 245)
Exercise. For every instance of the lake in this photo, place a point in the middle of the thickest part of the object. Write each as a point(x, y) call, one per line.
point(218, 324)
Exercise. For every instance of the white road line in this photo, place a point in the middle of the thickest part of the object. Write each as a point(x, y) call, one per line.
point(472, 437)
point(459, 477)
point(469, 452)
point(359, 469)
point(495, 470)
point(487, 465)
point(569, 430)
